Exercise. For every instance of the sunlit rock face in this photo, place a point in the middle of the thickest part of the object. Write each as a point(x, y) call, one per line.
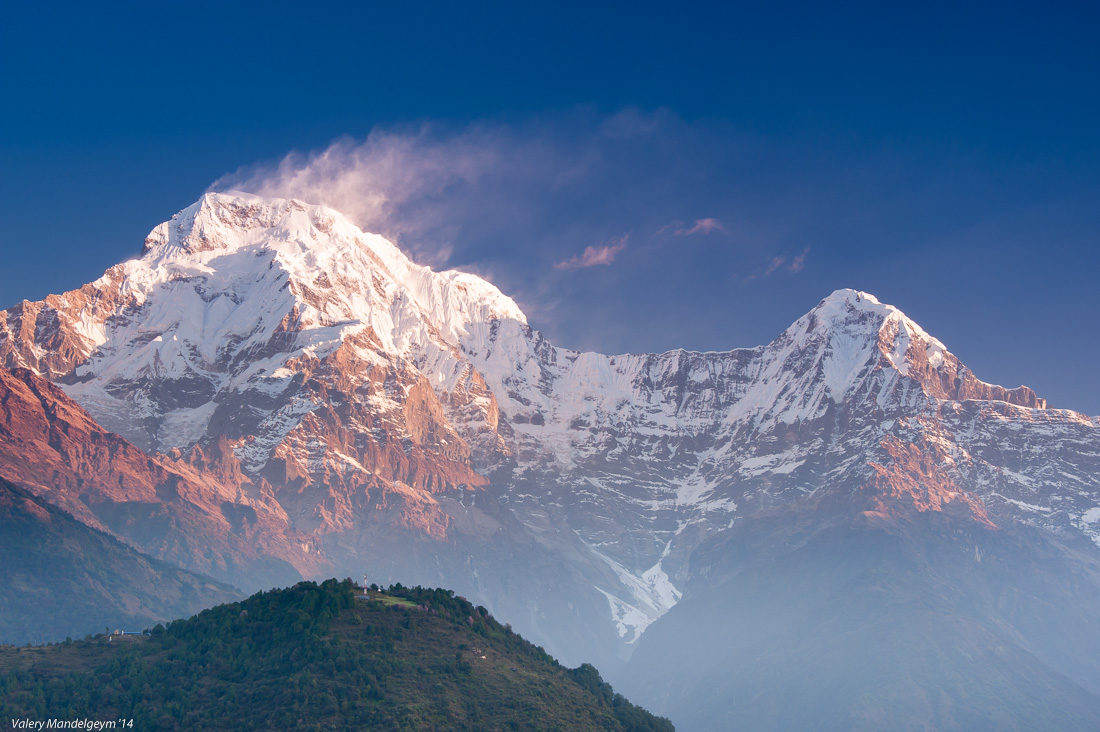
point(194, 508)
point(410, 424)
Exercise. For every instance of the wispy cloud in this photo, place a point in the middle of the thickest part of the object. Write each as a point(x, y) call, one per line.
point(775, 264)
point(518, 198)
point(798, 263)
point(701, 226)
point(454, 194)
point(594, 256)
point(782, 263)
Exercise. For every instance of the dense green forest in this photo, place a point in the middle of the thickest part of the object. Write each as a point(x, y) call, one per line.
point(316, 657)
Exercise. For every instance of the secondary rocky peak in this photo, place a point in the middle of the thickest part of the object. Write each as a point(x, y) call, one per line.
point(857, 312)
point(854, 335)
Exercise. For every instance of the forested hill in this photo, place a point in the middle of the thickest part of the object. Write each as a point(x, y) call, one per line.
point(315, 657)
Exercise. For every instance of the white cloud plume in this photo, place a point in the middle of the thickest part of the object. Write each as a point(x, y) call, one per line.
point(441, 192)
point(514, 199)
point(372, 181)
point(416, 186)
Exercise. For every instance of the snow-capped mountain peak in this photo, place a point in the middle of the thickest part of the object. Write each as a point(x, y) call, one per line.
point(849, 316)
point(367, 392)
point(851, 335)
point(313, 244)
point(225, 292)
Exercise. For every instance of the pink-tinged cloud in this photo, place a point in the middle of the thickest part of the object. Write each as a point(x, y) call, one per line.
point(593, 256)
point(702, 226)
point(794, 265)
point(798, 263)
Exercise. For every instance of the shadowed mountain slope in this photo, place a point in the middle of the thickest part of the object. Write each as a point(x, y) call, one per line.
point(61, 578)
point(919, 620)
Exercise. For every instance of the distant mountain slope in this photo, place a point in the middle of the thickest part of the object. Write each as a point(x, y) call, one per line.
point(313, 657)
point(916, 620)
point(61, 578)
point(195, 510)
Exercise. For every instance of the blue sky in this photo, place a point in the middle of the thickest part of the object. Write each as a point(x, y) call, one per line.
point(638, 177)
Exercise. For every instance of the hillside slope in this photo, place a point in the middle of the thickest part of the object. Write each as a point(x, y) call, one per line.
point(61, 578)
point(315, 657)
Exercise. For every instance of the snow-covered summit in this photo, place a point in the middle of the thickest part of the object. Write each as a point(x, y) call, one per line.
point(309, 241)
point(854, 312)
point(235, 287)
point(229, 292)
point(850, 335)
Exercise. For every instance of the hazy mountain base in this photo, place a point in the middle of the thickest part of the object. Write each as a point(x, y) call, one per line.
point(50, 446)
point(927, 622)
point(61, 578)
point(313, 657)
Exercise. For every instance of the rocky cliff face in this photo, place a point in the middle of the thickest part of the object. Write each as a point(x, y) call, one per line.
point(411, 422)
point(193, 508)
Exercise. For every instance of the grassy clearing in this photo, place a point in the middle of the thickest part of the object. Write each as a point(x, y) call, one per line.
point(390, 599)
point(77, 656)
